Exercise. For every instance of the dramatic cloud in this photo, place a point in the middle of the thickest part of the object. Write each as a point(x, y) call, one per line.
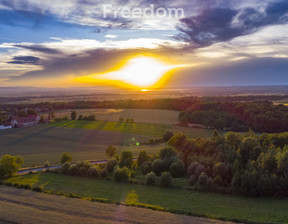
point(223, 24)
point(39, 48)
point(25, 60)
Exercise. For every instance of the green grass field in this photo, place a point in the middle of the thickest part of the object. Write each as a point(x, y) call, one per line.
point(152, 116)
point(45, 143)
point(244, 209)
point(153, 130)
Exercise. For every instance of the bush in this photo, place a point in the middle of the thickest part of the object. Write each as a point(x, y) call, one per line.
point(126, 159)
point(177, 169)
point(104, 173)
point(111, 151)
point(150, 178)
point(65, 168)
point(142, 158)
point(111, 163)
point(192, 168)
point(9, 165)
point(203, 180)
point(46, 164)
point(218, 181)
point(192, 180)
point(157, 166)
point(167, 153)
point(146, 167)
point(92, 172)
point(66, 157)
point(166, 179)
point(121, 174)
point(167, 136)
point(37, 189)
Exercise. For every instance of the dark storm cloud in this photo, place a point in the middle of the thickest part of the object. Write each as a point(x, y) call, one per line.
point(39, 48)
point(25, 60)
point(223, 24)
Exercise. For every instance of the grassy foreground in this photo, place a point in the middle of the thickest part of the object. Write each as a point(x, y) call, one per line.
point(226, 207)
point(153, 130)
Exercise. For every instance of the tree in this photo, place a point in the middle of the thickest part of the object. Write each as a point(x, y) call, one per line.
point(111, 151)
point(166, 179)
point(42, 120)
point(282, 161)
point(168, 134)
point(142, 157)
point(177, 169)
point(157, 166)
point(9, 165)
point(126, 159)
point(66, 157)
point(111, 163)
point(150, 178)
point(73, 115)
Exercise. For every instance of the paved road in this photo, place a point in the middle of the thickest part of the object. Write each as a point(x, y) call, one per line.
point(26, 206)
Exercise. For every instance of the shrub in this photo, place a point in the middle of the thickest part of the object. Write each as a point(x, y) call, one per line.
point(202, 180)
point(146, 167)
point(65, 168)
point(111, 151)
point(46, 164)
point(92, 172)
point(132, 174)
point(167, 136)
point(167, 153)
point(121, 174)
point(192, 180)
point(66, 157)
point(192, 168)
point(126, 159)
point(111, 163)
point(104, 173)
point(177, 169)
point(37, 189)
point(218, 181)
point(157, 166)
point(166, 179)
point(150, 178)
point(142, 158)
point(200, 169)
point(9, 165)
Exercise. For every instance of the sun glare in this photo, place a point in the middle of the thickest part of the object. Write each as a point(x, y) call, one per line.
point(141, 72)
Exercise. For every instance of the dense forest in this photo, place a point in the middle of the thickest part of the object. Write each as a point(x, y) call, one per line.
point(246, 164)
point(261, 116)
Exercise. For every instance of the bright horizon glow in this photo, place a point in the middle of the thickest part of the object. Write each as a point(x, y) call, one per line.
point(140, 72)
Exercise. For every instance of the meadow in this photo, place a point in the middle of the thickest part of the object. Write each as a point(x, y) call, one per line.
point(46, 143)
point(145, 129)
point(225, 207)
point(139, 115)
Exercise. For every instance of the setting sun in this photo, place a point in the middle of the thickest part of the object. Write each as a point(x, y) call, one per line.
point(139, 72)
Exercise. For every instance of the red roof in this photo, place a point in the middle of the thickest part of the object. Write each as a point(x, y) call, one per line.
point(28, 119)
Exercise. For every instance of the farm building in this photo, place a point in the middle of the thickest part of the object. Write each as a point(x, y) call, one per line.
point(30, 120)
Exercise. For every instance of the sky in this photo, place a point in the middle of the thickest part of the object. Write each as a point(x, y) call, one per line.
point(144, 43)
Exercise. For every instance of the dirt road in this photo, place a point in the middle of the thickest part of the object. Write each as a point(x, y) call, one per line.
point(26, 206)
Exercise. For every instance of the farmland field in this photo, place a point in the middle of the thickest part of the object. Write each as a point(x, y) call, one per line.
point(227, 207)
point(45, 208)
point(45, 143)
point(139, 115)
point(153, 130)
